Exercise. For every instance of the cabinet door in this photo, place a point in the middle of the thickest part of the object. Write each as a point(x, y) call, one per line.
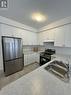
point(17, 32)
point(25, 60)
point(29, 38)
point(51, 34)
point(30, 59)
point(34, 57)
point(7, 30)
point(34, 38)
point(41, 38)
point(46, 36)
point(60, 37)
point(37, 57)
point(68, 36)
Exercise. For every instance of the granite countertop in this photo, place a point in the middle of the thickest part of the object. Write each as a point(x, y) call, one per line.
point(38, 82)
point(66, 58)
point(61, 56)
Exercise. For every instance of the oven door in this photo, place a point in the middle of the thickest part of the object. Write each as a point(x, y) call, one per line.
point(44, 60)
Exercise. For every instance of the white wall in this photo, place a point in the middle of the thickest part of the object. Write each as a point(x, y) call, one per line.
point(1, 61)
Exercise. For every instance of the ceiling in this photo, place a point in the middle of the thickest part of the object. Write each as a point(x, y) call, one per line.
point(21, 10)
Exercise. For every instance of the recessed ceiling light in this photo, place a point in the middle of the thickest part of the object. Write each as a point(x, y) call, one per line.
point(38, 17)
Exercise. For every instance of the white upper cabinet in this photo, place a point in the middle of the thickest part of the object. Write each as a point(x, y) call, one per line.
point(32, 38)
point(17, 32)
point(63, 36)
point(6, 30)
point(68, 36)
point(46, 36)
point(51, 34)
point(28, 37)
point(40, 38)
point(59, 37)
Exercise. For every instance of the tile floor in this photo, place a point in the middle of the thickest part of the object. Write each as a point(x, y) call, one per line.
point(6, 80)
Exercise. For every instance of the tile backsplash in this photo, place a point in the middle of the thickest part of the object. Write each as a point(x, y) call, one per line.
point(59, 50)
point(27, 48)
point(31, 48)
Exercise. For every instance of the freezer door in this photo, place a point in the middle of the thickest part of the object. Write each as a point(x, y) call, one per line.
point(18, 48)
point(8, 48)
point(13, 66)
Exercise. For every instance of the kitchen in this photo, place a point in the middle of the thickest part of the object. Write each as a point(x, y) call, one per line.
point(38, 37)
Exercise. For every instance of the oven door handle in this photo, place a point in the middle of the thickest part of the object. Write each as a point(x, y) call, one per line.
point(44, 59)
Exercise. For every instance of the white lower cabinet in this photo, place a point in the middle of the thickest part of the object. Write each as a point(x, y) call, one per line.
point(37, 57)
point(25, 60)
point(31, 58)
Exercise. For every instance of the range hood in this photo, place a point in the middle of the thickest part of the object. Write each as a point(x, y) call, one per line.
point(48, 41)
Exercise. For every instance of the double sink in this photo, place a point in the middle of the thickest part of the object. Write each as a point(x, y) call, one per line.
point(59, 69)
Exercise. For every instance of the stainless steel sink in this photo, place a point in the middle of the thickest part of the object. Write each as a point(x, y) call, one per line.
point(59, 69)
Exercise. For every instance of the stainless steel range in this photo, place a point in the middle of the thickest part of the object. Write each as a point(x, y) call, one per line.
point(46, 56)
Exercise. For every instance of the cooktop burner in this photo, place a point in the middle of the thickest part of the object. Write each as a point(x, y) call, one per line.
point(48, 52)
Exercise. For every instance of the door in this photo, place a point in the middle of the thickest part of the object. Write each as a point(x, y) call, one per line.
point(13, 66)
point(8, 48)
point(18, 47)
point(44, 60)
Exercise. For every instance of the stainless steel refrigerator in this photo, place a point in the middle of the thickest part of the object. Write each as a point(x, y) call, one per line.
point(12, 54)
